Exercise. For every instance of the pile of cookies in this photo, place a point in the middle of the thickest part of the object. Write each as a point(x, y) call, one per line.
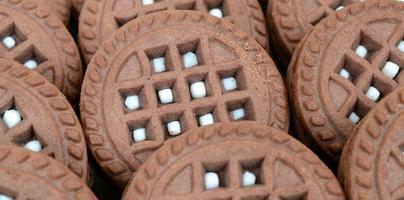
point(202, 99)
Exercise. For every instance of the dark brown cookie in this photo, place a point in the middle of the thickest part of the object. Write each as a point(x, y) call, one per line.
point(291, 20)
point(34, 114)
point(101, 18)
point(242, 160)
point(152, 81)
point(372, 163)
point(59, 8)
point(33, 37)
point(28, 175)
point(342, 69)
point(78, 4)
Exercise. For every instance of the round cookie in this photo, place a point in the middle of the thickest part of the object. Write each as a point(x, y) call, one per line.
point(372, 163)
point(291, 20)
point(35, 115)
point(33, 37)
point(342, 69)
point(242, 160)
point(101, 18)
point(152, 81)
point(29, 175)
point(78, 4)
point(59, 8)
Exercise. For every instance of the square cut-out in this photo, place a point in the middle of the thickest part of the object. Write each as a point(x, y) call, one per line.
point(166, 96)
point(357, 113)
point(159, 64)
point(365, 47)
point(350, 68)
point(206, 119)
point(160, 59)
point(361, 51)
point(240, 109)
point(217, 12)
point(390, 69)
point(345, 73)
point(12, 117)
point(32, 58)
point(34, 145)
point(132, 102)
point(174, 128)
point(5, 197)
point(251, 172)
point(229, 84)
point(11, 37)
point(198, 90)
point(400, 46)
point(191, 54)
point(190, 59)
point(139, 134)
point(354, 117)
point(211, 180)
point(373, 93)
point(215, 175)
point(238, 114)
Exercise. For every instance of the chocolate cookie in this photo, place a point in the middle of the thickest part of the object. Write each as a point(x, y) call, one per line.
point(348, 63)
point(101, 18)
point(291, 20)
point(153, 81)
point(35, 115)
point(241, 160)
point(372, 163)
point(39, 41)
point(59, 8)
point(78, 4)
point(29, 175)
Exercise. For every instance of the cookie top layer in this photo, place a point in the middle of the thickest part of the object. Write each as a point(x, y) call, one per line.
point(101, 18)
point(347, 64)
point(59, 8)
point(168, 72)
point(242, 160)
point(28, 175)
point(33, 37)
point(372, 163)
point(34, 114)
point(291, 20)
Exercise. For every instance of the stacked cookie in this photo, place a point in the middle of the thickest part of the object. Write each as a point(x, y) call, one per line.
point(201, 99)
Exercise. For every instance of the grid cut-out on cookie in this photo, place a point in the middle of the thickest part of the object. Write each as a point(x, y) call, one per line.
point(373, 69)
point(173, 103)
point(323, 9)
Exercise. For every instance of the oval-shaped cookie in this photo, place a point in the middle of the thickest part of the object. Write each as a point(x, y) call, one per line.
point(101, 18)
point(39, 41)
point(168, 72)
point(343, 68)
point(372, 163)
point(28, 175)
point(35, 115)
point(242, 160)
point(291, 20)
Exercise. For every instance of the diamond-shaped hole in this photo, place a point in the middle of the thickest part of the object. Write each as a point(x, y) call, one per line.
point(11, 37)
point(12, 117)
point(140, 130)
point(174, 124)
point(240, 109)
point(232, 80)
point(191, 54)
point(133, 99)
point(366, 48)
point(251, 173)
point(357, 113)
point(31, 58)
point(199, 86)
point(206, 115)
point(29, 140)
point(215, 175)
point(160, 59)
point(377, 90)
point(350, 69)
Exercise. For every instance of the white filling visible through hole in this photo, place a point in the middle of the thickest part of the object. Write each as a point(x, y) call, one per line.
point(238, 114)
point(166, 96)
point(198, 90)
point(12, 118)
point(390, 69)
point(33, 145)
point(31, 64)
point(211, 180)
point(354, 118)
point(373, 93)
point(174, 128)
point(401, 46)
point(344, 73)
point(159, 64)
point(340, 8)
point(217, 12)
point(361, 51)
point(5, 197)
point(190, 60)
point(249, 179)
point(139, 134)
point(229, 84)
point(9, 42)
point(205, 120)
point(148, 2)
point(132, 102)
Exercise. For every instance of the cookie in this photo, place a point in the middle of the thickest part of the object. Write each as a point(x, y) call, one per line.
point(343, 68)
point(59, 8)
point(145, 86)
point(39, 41)
point(28, 175)
point(78, 4)
point(242, 160)
point(101, 18)
point(291, 20)
point(35, 115)
point(372, 163)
